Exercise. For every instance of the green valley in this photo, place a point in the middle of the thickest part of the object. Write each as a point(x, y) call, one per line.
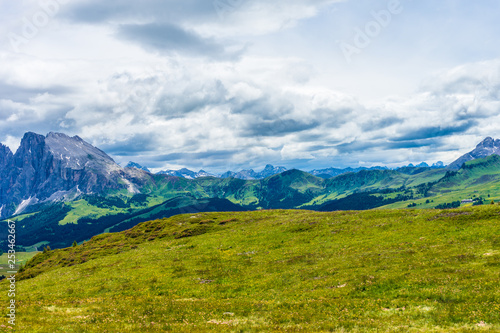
point(162, 196)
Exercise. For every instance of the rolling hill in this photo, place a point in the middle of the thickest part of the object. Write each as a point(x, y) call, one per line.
point(274, 271)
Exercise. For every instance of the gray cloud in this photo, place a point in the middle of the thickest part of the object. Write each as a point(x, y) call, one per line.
point(332, 117)
point(22, 94)
point(131, 146)
point(277, 127)
point(220, 154)
point(94, 11)
point(356, 146)
point(172, 39)
point(267, 107)
point(436, 131)
point(408, 144)
point(377, 124)
point(362, 146)
point(193, 98)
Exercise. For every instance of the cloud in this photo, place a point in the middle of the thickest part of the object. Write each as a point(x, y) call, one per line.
point(175, 83)
point(381, 123)
point(93, 11)
point(134, 144)
point(435, 131)
point(17, 93)
point(277, 127)
point(234, 18)
point(171, 39)
point(213, 155)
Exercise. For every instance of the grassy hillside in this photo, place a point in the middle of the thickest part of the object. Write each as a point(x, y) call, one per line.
point(476, 179)
point(47, 228)
point(274, 271)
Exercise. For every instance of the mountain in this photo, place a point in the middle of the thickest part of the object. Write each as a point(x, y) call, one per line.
point(480, 175)
point(186, 173)
point(137, 166)
point(60, 188)
point(270, 170)
point(487, 147)
point(57, 167)
point(333, 172)
point(250, 174)
point(438, 165)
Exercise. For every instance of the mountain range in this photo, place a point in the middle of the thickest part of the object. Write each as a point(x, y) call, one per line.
point(250, 174)
point(60, 188)
point(271, 170)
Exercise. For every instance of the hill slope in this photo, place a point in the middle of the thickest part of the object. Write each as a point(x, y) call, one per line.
point(274, 271)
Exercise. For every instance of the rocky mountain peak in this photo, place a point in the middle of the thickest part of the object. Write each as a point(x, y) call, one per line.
point(136, 166)
point(54, 166)
point(75, 152)
point(485, 148)
point(488, 143)
point(5, 155)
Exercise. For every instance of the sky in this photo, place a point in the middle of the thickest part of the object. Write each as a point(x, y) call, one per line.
point(236, 84)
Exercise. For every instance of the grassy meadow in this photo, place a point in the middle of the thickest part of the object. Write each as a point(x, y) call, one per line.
point(274, 271)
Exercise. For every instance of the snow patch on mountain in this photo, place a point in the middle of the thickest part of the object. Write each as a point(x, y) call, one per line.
point(24, 204)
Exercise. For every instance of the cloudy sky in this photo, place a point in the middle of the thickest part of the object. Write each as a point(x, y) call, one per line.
point(233, 84)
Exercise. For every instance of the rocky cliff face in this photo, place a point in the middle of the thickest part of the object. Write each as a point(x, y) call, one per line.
point(487, 147)
point(56, 167)
point(6, 158)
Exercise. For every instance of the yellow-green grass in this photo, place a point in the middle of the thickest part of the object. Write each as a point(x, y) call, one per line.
point(274, 271)
point(82, 208)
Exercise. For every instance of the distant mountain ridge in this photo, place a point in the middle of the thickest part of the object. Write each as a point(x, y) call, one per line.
point(250, 174)
point(271, 170)
point(137, 166)
point(186, 173)
point(333, 172)
point(57, 167)
point(73, 190)
point(487, 147)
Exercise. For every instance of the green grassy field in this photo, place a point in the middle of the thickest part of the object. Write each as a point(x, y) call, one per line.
point(274, 271)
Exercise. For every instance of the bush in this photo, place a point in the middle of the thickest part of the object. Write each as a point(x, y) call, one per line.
point(451, 205)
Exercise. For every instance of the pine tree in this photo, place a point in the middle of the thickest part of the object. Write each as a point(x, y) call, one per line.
point(75, 244)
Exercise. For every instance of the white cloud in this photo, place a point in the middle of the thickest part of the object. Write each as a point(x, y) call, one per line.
point(285, 99)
